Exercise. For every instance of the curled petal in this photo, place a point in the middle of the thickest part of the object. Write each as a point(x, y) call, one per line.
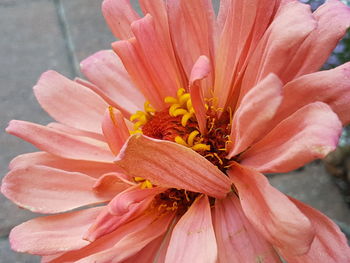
point(171, 165)
point(114, 129)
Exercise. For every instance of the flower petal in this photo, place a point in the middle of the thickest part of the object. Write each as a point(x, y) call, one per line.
point(59, 143)
point(119, 15)
point(237, 240)
point(200, 70)
point(241, 27)
point(271, 212)
point(82, 107)
point(106, 71)
point(333, 19)
point(93, 169)
point(114, 129)
point(160, 61)
point(260, 104)
point(111, 184)
point(126, 206)
point(330, 244)
point(171, 165)
point(43, 189)
point(329, 86)
point(108, 241)
point(193, 237)
point(132, 243)
point(53, 234)
point(129, 53)
point(73, 131)
point(311, 132)
point(192, 25)
point(287, 32)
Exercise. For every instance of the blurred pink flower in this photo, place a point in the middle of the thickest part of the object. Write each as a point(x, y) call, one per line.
point(213, 103)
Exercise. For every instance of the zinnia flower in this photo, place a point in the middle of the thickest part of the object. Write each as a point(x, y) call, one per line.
point(213, 103)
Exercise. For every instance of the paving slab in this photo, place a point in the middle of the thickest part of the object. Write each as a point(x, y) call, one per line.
point(86, 27)
point(31, 42)
point(8, 256)
point(315, 187)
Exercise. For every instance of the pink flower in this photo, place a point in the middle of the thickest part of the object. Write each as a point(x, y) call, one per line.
point(214, 102)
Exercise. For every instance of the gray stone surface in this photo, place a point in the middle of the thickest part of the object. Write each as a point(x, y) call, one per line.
point(31, 42)
point(315, 187)
point(8, 256)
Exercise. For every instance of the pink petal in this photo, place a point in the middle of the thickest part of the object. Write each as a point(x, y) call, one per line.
point(114, 129)
point(59, 143)
point(193, 237)
point(330, 245)
point(47, 190)
point(171, 165)
point(119, 15)
point(53, 234)
point(159, 60)
point(132, 243)
point(333, 19)
point(330, 86)
point(123, 208)
point(129, 53)
point(70, 103)
point(73, 131)
point(271, 213)
point(192, 25)
point(241, 27)
point(200, 70)
point(132, 199)
point(111, 184)
point(108, 241)
point(237, 240)
point(93, 169)
point(106, 71)
point(260, 104)
point(283, 38)
point(310, 133)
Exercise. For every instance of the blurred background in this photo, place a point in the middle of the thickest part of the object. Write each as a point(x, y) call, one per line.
point(37, 35)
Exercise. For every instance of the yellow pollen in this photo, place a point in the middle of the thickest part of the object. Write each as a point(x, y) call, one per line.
point(185, 119)
point(201, 147)
point(170, 100)
point(184, 98)
point(191, 137)
point(179, 112)
point(219, 159)
point(181, 141)
point(180, 92)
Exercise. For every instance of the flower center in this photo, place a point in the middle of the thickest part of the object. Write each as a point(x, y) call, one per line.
point(178, 124)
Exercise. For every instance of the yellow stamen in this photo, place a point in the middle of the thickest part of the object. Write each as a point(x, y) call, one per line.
point(189, 104)
point(148, 108)
point(138, 179)
point(146, 184)
point(185, 119)
point(180, 92)
point(179, 112)
point(173, 108)
point(201, 147)
point(170, 100)
point(217, 157)
point(191, 137)
point(184, 98)
point(181, 141)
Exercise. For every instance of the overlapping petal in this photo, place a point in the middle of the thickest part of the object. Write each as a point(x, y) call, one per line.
point(54, 90)
point(40, 189)
point(53, 234)
point(193, 237)
point(271, 212)
point(237, 239)
point(310, 133)
point(168, 164)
